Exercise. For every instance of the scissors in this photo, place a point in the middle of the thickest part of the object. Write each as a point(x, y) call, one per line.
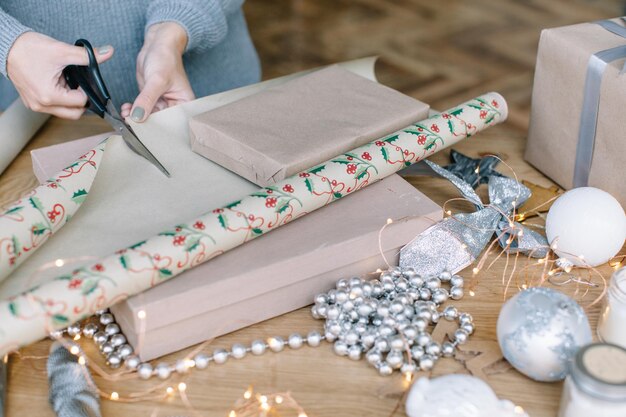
point(88, 78)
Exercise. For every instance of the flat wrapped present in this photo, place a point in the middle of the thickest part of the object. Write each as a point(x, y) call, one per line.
point(279, 272)
point(288, 128)
point(577, 123)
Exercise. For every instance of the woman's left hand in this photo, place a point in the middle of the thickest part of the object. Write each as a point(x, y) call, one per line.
point(161, 75)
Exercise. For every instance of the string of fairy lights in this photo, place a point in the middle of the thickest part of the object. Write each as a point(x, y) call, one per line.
point(253, 403)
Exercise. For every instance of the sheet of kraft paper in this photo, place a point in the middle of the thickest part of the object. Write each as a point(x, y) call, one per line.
point(130, 199)
point(17, 127)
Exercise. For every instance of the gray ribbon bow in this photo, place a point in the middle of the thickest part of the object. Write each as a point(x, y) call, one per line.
point(591, 103)
point(457, 241)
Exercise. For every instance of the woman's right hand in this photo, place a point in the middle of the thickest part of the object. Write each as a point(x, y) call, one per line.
point(35, 66)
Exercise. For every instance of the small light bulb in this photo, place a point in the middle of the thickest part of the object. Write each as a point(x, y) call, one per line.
point(302, 414)
point(408, 376)
point(551, 272)
point(77, 337)
point(190, 363)
point(524, 286)
point(59, 263)
point(248, 394)
point(182, 387)
point(519, 410)
point(389, 221)
point(115, 396)
point(472, 293)
point(265, 406)
point(449, 212)
point(279, 399)
point(169, 390)
point(378, 271)
point(141, 314)
point(232, 413)
point(617, 265)
point(74, 350)
point(475, 271)
point(81, 360)
point(263, 399)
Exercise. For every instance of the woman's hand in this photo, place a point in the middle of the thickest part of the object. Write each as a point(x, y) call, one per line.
point(35, 66)
point(161, 75)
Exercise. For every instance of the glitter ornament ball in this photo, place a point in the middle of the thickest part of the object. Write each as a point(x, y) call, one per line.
point(540, 330)
point(586, 223)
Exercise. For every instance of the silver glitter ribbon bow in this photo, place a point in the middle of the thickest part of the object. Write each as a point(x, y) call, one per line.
point(591, 102)
point(457, 241)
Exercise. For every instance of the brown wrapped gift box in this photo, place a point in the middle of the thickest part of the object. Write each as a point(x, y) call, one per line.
point(279, 272)
point(557, 102)
point(285, 129)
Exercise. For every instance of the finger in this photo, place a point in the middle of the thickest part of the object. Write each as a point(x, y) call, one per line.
point(143, 105)
point(77, 55)
point(65, 97)
point(125, 110)
point(71, 113)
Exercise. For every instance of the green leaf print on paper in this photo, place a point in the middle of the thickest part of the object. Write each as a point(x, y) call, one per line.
point(383, 150)
point(337, 195)
point(36, 203)
point(89, 286)
point(192, 243)
point(138, 244)
point(309, 185)
point(79, 196)
point(257, 231)
point(223, 221)
point(13, 309)
point(60, 320)
point(317, 169)
point(39, 229)
point(450, 126)
point(164, 273)
point(233, 204)
point(17, 248)
point(13, 210)
point(456, 112)
point(125, 261)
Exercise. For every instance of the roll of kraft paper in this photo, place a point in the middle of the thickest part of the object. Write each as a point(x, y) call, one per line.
point(17, 126)
point(69, 298)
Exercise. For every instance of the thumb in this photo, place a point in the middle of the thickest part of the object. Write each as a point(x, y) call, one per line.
point(77, 55)
point(147, 99)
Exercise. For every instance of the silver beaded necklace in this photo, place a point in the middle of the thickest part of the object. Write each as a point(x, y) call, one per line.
point(389, 320)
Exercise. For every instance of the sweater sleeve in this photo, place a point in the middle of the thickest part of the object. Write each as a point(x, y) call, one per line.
point(203, 20)
point(10, 30)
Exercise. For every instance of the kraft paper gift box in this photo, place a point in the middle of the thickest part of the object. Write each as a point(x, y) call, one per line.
point(279, 272)
point(271, 275)
point(557, 108)
point(288, 128)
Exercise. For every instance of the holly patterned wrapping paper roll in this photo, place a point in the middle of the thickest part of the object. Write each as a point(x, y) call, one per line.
point(29, 222)
point(72, 297)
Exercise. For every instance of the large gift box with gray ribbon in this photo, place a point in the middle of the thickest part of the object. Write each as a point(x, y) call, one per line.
point(577, 131)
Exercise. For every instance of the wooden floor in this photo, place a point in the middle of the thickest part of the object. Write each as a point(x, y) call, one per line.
point(442, 52)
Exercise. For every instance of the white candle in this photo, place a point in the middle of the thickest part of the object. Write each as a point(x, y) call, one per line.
point(612, 325)
point(596, 385)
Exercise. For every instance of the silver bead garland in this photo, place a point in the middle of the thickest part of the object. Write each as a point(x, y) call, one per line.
point(388, 320)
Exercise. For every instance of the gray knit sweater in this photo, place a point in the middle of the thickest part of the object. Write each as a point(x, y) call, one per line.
point(219, 56)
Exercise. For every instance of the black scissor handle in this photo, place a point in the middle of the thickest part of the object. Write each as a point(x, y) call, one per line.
point(88, 78)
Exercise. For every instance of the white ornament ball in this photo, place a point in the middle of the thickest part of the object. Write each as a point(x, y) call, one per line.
point(539, 332)
point(457, 396)
point(586, 222)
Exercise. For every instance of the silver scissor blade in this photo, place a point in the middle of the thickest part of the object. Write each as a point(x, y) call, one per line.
point(133, 142)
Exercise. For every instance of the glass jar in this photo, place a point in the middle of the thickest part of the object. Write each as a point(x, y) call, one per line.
point(612, 324)
point(596, 384)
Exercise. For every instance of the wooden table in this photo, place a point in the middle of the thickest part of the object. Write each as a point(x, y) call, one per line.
point(322, 383)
